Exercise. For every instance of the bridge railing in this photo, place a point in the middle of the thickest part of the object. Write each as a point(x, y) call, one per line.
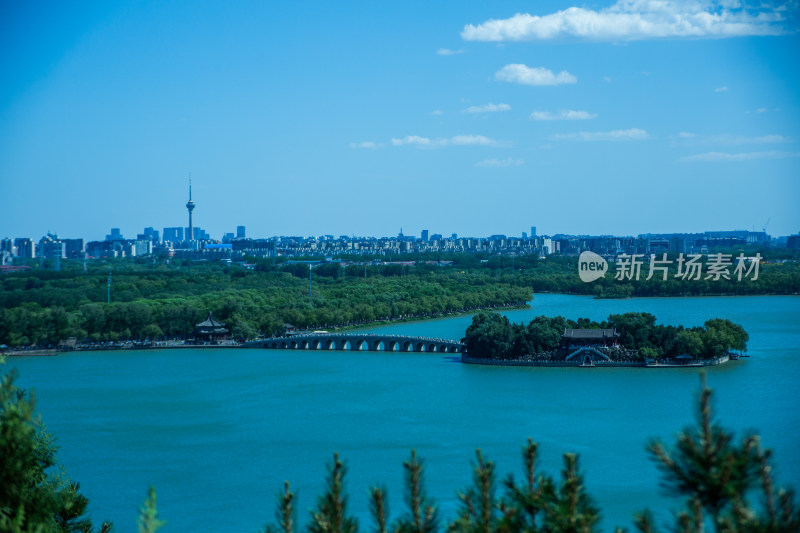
point(361, 336)
point(372, 340)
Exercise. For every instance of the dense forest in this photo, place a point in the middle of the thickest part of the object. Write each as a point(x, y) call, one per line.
point(716, 477)
point(155, 298)
point(492, 336)
point(43, 307)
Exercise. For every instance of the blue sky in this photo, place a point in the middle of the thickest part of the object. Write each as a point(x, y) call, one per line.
point(307, 118)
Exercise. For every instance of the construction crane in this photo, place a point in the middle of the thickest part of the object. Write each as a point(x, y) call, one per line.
point(764, 229)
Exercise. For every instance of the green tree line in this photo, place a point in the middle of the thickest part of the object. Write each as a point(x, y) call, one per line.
point(493, 336)
point(45, 307)
point(153, 300)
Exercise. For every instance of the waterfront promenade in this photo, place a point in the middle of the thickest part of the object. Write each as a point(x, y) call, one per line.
point(596, 364)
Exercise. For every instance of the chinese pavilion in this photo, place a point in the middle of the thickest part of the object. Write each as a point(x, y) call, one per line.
point(210, 330)
point(575, 338)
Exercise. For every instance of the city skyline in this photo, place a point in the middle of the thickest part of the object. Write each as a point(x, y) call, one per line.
point(118, 234)
point(191, 232)
point(622, 117)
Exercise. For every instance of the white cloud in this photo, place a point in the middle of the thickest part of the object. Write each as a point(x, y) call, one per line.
point(517, 73)
point(632, 134)
point(437, 112)
point(724, 157)
point(412, 140)
point(722, 89)
point(740, 139)
point(457, 140)
point(629, 20)
point(488, 108)
point(448, 52)
point(562, 115)
point(761, 110)
point(366, 144)
point(509, 162)
point(730, 140)
point(466, 140)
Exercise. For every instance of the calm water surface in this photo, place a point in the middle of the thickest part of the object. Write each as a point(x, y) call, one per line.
point(218, 431)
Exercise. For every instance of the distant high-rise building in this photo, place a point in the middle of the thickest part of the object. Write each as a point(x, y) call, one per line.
point(51, 247)
point(115, 235)
point(105, 249)
point(454, 236)
point(26, 248)
point(173, 235)
point(149, 234)
point(533, 231)
point(793, 242)
point(240, 234)
point(524, 235)
point(7, 245)
point(425, 235)
point(141, 248)
point(196, 234)
point(74, 248)
point(190, 208)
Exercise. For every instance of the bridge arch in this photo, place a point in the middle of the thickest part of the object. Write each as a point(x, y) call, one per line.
point(378, 343)
point(587, 351)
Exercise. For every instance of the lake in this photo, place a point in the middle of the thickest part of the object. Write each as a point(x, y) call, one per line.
point(217, 431)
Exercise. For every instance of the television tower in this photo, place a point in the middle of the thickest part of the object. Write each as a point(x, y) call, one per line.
point(190, 207)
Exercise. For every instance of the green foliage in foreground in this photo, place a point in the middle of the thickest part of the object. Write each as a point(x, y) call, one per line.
point(493, 336)
point(34, 495)
point(715, 476)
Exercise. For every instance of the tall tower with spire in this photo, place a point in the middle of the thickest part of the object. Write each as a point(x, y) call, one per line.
point(190, 207)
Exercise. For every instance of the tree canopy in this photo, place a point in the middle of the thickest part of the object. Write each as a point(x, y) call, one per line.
point(492, 336)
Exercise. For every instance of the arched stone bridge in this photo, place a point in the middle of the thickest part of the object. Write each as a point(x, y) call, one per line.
point(358, 341)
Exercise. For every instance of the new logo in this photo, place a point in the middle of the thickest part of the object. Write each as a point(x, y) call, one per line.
point(591, 266)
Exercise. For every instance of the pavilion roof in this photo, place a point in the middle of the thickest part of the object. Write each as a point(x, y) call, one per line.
point(590, 334)
point(210, 322)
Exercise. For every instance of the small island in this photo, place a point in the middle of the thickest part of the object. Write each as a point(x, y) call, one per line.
point(629, 339)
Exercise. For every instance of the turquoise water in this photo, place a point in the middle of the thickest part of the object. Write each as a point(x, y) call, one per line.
point(218, 431)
